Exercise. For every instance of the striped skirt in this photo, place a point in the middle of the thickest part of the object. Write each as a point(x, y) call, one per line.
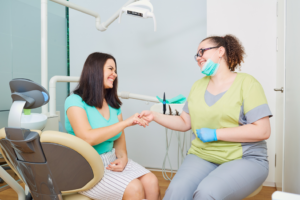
point(113, 184)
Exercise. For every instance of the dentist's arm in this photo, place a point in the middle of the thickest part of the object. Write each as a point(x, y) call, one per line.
point(179, 123)
point(255, 132)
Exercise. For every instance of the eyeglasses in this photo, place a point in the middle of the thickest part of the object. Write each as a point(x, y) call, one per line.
point(201, 52)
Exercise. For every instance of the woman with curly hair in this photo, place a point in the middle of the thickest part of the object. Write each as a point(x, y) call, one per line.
point(229, 115)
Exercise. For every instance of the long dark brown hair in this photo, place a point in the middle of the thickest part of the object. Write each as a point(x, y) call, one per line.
point(91, 84)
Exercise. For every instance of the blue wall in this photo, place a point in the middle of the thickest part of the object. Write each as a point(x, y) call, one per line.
point(20, 48)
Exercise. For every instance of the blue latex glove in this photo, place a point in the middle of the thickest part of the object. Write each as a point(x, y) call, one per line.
point(207, 134)
point(180, 99)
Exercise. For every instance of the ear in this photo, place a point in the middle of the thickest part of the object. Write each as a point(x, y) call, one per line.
point(221, 51)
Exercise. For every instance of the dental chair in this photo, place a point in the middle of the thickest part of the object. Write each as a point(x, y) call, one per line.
point(53, 165)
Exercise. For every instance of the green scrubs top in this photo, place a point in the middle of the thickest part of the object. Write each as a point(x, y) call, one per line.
point(96, 120)
point(245, 95)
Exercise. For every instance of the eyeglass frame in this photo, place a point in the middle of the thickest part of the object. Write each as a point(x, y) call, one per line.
point(203, 50)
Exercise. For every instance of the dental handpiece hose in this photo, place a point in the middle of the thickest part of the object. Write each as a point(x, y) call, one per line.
point(164, 104)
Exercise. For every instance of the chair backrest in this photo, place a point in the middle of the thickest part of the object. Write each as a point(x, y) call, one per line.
point(7, 154)
point(51, 163)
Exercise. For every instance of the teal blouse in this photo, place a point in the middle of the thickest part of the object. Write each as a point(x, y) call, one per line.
point(96, 120)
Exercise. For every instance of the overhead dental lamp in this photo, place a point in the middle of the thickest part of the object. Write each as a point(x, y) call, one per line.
point(143, 9)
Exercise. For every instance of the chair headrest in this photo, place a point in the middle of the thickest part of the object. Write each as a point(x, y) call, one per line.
point(34, 94)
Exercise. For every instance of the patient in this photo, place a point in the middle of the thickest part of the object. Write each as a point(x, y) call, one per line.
point(93, 114)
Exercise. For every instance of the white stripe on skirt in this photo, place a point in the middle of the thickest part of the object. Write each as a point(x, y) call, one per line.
point(113, 184)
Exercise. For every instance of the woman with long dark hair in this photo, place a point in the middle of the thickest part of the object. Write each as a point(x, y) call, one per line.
point(93, 114)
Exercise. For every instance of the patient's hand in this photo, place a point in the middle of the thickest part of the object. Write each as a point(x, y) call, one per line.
point(118, 165)
point(134, 119)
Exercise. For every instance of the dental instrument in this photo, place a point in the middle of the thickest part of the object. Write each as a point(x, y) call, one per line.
point(164, 104)
point(171, 113)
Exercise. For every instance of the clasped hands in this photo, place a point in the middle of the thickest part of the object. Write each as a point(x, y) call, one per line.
point(145, 117)
point(142, 119)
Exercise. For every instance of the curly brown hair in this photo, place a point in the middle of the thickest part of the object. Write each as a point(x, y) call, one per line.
point(234, 50)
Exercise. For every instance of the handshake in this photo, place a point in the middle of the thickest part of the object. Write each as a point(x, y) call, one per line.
point(141, 119)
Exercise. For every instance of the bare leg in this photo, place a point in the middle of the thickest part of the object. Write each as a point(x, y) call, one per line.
point(134, 191)
point(151, 187)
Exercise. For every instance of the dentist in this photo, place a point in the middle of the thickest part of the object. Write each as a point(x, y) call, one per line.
point(229, 115)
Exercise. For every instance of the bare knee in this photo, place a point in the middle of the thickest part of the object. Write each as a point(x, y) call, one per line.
point(151, 186)
point(149, 180)
point(134, 190)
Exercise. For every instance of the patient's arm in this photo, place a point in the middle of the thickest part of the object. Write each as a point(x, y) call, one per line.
point(178, 123)
point(121, 152)
point(82, 128)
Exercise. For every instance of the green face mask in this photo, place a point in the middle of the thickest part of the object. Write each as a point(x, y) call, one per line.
point(210, 68)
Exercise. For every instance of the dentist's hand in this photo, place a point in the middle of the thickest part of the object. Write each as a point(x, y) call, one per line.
point(207, 134)
point(134, 119)
point(147, 115)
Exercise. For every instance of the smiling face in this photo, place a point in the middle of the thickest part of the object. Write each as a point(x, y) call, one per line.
point(109, 74)
point(212, 54)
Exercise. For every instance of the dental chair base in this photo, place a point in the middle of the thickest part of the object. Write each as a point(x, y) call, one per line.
point(52, 164)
